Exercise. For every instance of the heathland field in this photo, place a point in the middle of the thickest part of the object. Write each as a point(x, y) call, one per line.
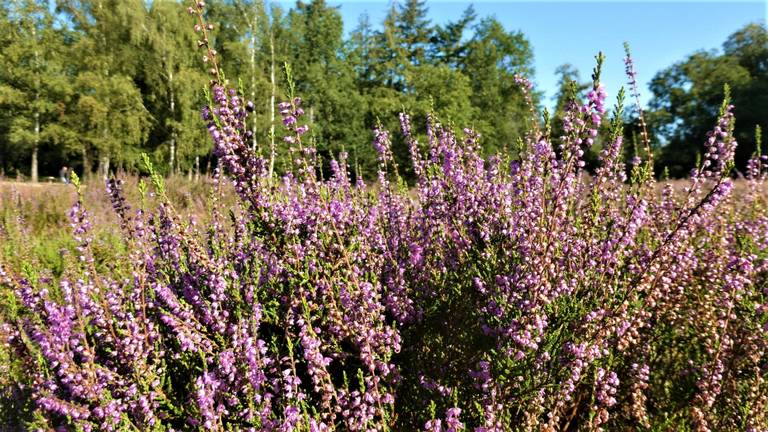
point(502, 293)
point(558, 282)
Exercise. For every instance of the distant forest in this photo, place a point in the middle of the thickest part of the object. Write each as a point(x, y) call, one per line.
point(92, 84)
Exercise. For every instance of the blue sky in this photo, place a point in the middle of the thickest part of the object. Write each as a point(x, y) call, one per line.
point(660, 33)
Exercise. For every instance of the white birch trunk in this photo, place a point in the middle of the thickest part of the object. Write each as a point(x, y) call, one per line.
point(36, 140)
point(173, 116)
point(272, 103)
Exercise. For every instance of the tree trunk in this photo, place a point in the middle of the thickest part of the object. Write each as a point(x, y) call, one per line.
point(102, 170)
point(35, 148)
point(86, 164)
point(272, 103)
point(36, 139)
point(104, 167)
point(172, 97)
point(173, 155)
point(253, 80)
point(34, 164)
point(197, 168)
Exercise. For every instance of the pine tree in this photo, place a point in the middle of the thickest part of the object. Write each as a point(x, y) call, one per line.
point(359, 53)
point(324, 79)
point(414, 31)
point(447, 46)
point(494, 57)
point(386, 54)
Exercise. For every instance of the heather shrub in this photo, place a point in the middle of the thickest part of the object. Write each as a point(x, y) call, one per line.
point(501, 293)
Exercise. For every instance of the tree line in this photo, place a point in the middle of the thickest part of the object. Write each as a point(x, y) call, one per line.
point(94, 83)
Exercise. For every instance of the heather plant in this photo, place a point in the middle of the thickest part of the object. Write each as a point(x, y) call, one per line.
point(513, 292)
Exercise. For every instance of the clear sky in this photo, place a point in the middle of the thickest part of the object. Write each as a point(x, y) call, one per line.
point(660, 33)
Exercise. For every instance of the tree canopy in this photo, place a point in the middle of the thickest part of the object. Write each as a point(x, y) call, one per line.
point(97, 82)
point(688, 95)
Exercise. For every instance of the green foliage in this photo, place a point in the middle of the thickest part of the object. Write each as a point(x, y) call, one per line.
point(174, 75)
point(494, 57)
point(34, 87)
point(687, 97)
point(121, 78)
point(104, 81)
point(110, 116)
